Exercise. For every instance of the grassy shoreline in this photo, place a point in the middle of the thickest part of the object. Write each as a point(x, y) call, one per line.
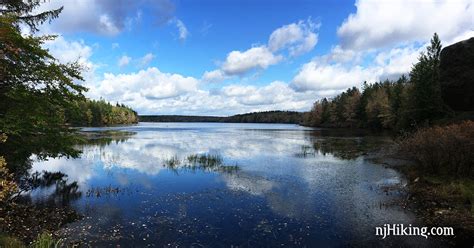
point(436, 201)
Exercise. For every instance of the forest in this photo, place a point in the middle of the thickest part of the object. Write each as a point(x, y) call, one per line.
point(88, 112)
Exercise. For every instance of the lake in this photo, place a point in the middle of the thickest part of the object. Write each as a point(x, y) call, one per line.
point(222, 185)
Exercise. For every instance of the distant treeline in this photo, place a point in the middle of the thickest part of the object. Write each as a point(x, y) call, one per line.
point(406, 103)
point(255, 117)
point(100, 113)
point(179, 118)
point(267, 117)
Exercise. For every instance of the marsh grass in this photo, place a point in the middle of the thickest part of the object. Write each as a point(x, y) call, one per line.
point(205, 160)
point(10, 242)
point(172, 162)
point(45, 240)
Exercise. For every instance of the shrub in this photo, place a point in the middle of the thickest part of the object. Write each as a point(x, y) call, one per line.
point(447, 150)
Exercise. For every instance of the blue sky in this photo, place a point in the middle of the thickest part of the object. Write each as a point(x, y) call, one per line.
point(228, 57)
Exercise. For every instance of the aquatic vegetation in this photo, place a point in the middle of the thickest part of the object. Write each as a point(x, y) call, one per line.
point(306, 151)
point(205, 160)
point(45, 240)
point(104, 191)
point(10, 242)
point(173, 162)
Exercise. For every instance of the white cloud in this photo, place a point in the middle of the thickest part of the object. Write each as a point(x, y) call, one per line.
point(382, 40)
point(341, 69)
point(151, 91)
point(182, 30)
point(149, 84)
point(293, 39)
point(115, 45)
point(336, 77)
point(145, 60)
point(67, 51)
point(124, 61)
point(298, 37)
point(214, 76)
point(378, 24)
point(238, 63)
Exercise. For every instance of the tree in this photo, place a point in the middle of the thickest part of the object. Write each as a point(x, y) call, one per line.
point(378, 110)
point(35, 89)
point(425, 94)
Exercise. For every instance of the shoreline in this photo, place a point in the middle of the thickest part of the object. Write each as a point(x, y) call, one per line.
point(425, 200)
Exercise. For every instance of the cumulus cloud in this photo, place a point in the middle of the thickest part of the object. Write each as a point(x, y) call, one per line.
point(151, 91)
point(335, 77)
point(379, 24)
point(238, 63)
point(214, 76)
point(335, 72)
point(107, 17)
point(67, 51)
point(298, 37)
point(382, 40)
point(146, 84)
point(124, 61)
point(276, 92)
point(293, 39)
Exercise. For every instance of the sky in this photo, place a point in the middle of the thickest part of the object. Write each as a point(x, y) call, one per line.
point(222, 58)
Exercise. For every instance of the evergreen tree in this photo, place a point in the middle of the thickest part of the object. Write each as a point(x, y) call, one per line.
point(425, 94)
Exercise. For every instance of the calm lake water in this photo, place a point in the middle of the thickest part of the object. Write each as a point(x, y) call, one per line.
point(269, 185)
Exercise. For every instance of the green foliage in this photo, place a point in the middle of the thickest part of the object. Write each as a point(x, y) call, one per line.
point(39, 95)
point(425, 103)
point(401, 105)
point(100, 113)
point(35, 89)
point(45, 240)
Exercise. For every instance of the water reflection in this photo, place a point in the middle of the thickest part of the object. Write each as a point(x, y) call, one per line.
point(49, 189)
point(229, 184)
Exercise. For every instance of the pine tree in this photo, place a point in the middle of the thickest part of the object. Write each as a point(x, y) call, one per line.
point(425, 95)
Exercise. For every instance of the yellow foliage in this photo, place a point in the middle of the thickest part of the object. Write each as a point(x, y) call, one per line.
point(7, 186)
